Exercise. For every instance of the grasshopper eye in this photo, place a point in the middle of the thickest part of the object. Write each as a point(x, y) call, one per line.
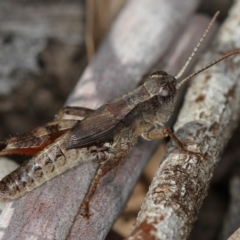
point(164, 92)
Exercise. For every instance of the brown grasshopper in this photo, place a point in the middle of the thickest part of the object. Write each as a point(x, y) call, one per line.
point(106, 134)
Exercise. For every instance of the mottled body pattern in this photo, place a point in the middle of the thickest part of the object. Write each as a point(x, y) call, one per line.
point(106, 135)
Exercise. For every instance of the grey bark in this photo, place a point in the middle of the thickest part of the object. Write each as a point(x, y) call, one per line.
point(206, 122)
point(56, 19)
point(25, 30)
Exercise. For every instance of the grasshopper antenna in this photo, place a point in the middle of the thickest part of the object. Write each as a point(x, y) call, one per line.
point(237, 51)
point(198, 45)
point(180, 83)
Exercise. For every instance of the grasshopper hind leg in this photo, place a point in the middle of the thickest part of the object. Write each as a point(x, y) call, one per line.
point(101, 171)
point(37, 139)
point(109, 160)
point(109, 157)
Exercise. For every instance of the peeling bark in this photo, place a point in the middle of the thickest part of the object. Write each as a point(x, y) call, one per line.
point(205, 124)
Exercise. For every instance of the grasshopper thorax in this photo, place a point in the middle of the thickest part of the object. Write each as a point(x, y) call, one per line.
point(161, 84)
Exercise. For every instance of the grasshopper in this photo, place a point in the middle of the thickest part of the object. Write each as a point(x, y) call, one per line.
point(106, 134)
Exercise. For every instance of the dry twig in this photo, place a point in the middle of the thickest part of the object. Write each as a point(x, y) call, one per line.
point(174, 60)
point(100, 15)
point(206, 122)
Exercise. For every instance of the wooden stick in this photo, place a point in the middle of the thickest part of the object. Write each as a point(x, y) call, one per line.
point(206, 122)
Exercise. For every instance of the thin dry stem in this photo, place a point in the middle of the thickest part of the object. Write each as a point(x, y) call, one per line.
point(100, 15)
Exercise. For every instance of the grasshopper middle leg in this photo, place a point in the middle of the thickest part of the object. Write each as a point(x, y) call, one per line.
point(158, 133)
point(109, 158)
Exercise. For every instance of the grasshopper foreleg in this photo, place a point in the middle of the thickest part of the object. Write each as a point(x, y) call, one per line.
point(158, 133)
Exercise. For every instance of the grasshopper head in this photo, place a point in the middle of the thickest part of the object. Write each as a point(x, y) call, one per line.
point(162, 90)
point(161, 84)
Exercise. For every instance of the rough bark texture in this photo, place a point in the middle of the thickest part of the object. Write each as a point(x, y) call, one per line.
point(206, 122)
point(57, 19)
point(42, 54)
point(132, 47)
point(172, 63)
point(25, 30)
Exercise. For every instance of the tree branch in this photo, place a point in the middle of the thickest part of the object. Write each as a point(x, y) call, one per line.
point(206, 122)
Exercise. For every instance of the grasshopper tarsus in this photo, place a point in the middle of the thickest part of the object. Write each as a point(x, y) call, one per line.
point(181, 147)
point(84, 210)
point(194, 154)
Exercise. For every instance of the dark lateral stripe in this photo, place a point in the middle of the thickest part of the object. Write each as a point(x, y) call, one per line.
point(118, 108)
point(129, 118)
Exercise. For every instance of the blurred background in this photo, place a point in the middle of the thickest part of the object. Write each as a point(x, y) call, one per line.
point(44, 48)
